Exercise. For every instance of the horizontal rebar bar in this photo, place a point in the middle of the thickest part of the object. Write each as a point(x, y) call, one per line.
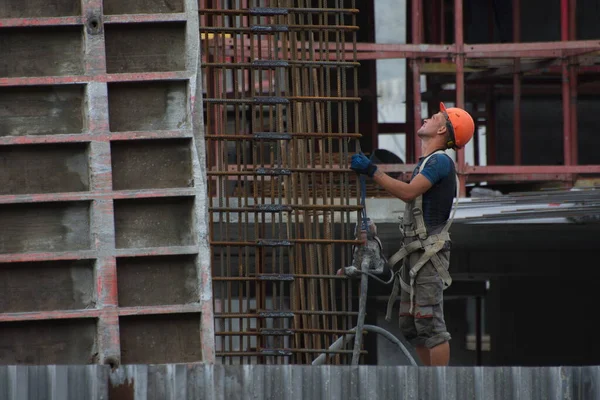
point(280, 101)
point(277, 28)
point(291, 313)
point(265, 65)
point(292, 134)
point(315, 207)
point(289, 9)
point(295, 276)
point(292, 241)
point(287, 332)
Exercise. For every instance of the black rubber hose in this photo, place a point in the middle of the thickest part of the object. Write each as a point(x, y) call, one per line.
point(369, 328)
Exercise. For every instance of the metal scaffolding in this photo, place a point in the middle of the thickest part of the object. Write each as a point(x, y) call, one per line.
point(530, 58)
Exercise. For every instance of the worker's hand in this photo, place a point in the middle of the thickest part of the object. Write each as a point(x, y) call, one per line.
point(362, 165)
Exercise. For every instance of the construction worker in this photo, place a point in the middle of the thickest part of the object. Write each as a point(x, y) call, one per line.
point(425, 252)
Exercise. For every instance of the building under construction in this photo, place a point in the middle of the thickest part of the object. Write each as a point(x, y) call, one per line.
point(176, 185)
point(292, 85)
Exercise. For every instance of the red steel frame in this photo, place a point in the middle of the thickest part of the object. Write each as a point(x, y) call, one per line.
point(567, 50)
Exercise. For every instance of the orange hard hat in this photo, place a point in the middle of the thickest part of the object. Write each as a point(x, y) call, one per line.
point(460, 124)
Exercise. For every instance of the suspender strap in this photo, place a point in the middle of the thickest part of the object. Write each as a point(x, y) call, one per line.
point(430, 244)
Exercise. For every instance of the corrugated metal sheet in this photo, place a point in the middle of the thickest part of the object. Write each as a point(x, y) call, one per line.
point(180, 382)
point(69, 382)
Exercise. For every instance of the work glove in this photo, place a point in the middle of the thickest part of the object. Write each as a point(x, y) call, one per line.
point(362, 165)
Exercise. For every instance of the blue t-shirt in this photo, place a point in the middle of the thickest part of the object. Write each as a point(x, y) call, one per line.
point(437, 201)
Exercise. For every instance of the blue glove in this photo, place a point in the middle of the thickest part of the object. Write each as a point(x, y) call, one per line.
point(362, 165)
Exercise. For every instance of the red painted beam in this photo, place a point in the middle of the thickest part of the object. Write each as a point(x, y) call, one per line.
point(140, 18)
point(95, 195)
point(157, 251)
point(49, 315)
point(531, 50)
point(496, 50)
point(533, 169)
point(32, 22)
point(47, 256)
point(158, 310)
point(507, 172)
point(511, 178)
point(98, 137)
point(81, 79)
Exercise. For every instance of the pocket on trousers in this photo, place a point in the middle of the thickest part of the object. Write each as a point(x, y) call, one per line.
point(429, 290)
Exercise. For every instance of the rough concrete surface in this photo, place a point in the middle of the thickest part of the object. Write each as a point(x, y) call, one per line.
point(150, 281)
point(50, 51)
point(59, 285)
point(142, 223)
point(112, 7)
point(145, 47)
point(41, 110)
point(160, 338)
point(43, 169)
point(39, 8)
point(44, 227)
point(151, 164)
point(48, 342)
point(148, 106)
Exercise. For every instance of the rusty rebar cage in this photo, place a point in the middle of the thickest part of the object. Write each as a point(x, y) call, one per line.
point(281, 121)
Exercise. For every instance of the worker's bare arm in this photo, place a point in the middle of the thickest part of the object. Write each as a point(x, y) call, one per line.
point(402, 190)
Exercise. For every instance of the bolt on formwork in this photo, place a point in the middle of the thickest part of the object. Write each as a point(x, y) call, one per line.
point(281, 118)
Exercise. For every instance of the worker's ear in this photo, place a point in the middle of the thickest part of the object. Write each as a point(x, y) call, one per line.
point(442, 130)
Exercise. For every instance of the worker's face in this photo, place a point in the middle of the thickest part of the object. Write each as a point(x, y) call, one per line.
point(433, 126)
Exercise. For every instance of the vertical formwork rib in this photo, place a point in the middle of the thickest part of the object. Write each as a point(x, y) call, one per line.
point(281, 119)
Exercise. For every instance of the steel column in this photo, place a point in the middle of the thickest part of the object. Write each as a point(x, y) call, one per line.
point(573, 82)
point(460, 84)
point(417, 22)
point(517, 85)
point(566, 88)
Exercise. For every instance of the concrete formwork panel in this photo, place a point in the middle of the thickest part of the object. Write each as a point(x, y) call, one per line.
point(46, 168)
point(160, 338)
point(58, 285)
point(41, 110)
point(147, 106)
point(45, 51)
point(143, 6)
point(39, 8)
point(104, 249)
point(129, 50)
point(150, 164)
point(151, 281)
point(71, 341)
